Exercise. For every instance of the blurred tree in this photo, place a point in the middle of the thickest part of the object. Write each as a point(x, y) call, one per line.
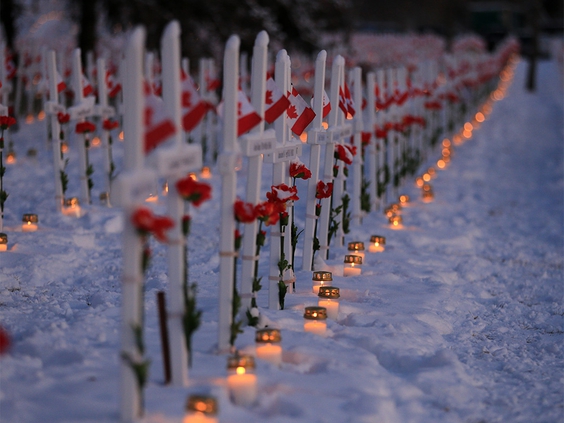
point(8, 12)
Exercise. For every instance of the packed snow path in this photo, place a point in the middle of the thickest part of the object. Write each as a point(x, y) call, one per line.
point(459, 320)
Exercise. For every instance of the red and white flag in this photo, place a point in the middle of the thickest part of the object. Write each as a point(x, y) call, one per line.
point(299, 113)
point(86, 87)
point(114, 87)
point(326, 104)
point(247, 117)
point(346, 103)
point(276, 102)
point(158, 125)
point(193, 107)
point(10, 66)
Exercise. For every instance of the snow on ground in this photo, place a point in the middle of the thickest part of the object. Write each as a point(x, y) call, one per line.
point(459, 320)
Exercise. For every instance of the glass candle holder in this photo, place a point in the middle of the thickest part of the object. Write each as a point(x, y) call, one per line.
point(3, 241)
point(11, 157)
point(353, 265)
point(404, 200)
point(268, 346)
point(315, 320)
point(206, 173)
point(241, 379)
point(432, 172)
point(30, 221)
point(329, 298)
point(356, 248)
point(419, 182)
point(396, 222)
point(377, 244)
point(321, 278)
point(104, 197)
point(427, 196)
point(71, 207)
point(201, 409)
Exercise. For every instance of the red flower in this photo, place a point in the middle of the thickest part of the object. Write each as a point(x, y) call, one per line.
point(324, 190)
point(344, 153)
point(6, 122)
point(4, 341)
point(269, 212)
point(365, 138)
point(147, 223)
point(193, 191)
point(63, 117)
point(299, 170)
point(381, 132)
point(85, 127)
point(282, 193)
point(244, 212)
point(109, 124)
point(433, 105)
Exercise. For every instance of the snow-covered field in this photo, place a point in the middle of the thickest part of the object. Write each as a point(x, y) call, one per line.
point(459, 320)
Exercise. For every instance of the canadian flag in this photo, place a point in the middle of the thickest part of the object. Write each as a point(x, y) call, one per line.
point(276, 102)
point(346, 103)
point(299, 113)
point(326, 104)
point(158, 125)
point(247, 117)
point(86, 87)
point(10, 66)
point(193, 108)
point(114, 87)
point(43, 85)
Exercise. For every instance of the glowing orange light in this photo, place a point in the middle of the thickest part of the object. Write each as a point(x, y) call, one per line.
point(431, 171)
point(96, 142)
point(426, 177)
point(419, 182)
point(441, 164)
point(120, 136)
point(11, 158)
point(64, 147)
point(193, 176)
point(446, 142)
point(41, 115)
point(446, 152)
point(206, 172)
point(29, 119)
point(303, 137)
point(241, 370)
point(152, 199)
point(349, 116)
point(325, 125)
point(467, 134)
point(468, 126)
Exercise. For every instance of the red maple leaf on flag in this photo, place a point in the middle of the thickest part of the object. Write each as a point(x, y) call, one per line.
point(186, 99)
point(268, 99)
point(292, 114)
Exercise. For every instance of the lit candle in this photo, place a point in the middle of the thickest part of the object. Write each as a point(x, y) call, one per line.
point(96, 142)
point(320, 278)
point(353, 265)
point(432, 172)
point(396, 222)
point(392, 210)
point(3, 241)
point(329, 298)
point(11, 157)
point(314, 320)
point(268, 346)
point(165, 188)
point(104, 197)
point(29, 222)
point(377, 244)
point(71, 207)
point(206, 173)
point(404, 200)
point(427, 193)
point(201, 409)
point(419, 182)
point(241, 379)
point(356, 248)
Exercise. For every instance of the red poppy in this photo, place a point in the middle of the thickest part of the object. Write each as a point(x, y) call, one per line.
point(345, 153)
point(324, 190)
point(365, 138)
point(244, 212)
point(5, 341)
point(299, 170)
point(269, 212)
point(193, 191)
point(147, 223)
point(433, 105)
point(6, 121)
point(63, 117)
point(381, 132)
point(109, 124)
point(282, 193)
point(85, 127)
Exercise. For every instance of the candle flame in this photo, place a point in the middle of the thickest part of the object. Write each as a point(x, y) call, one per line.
point(41, 115)
point(325, 125)
point(120, 136)
point(241, 370)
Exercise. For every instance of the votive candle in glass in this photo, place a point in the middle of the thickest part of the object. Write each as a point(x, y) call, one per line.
point(377, 244)
point(268, 346)
point(30, 221)
point(71, 206)
point(404, 200)
point(201, 409)
point(3, 241)
point(356, 248)
point(353, 265)
point(241, 379)
point(396, 222)
point(320, 278)
point(329, 298)
point(427, 194)
point(315, 320)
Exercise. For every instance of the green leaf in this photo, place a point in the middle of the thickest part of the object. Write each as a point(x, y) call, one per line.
point(282, 289)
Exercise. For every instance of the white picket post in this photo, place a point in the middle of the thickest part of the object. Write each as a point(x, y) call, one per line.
point(381, 118)
point(401, 75)
point(371, 150)
point(104, 111)
point(82, 150)
point(279, 171)
point(315, 137)
point(254, 146)
point(226, 164)
point(133, 173)
point(170, 47)
point(356, 212)
point(338, 63)
point(52, 108)
point(6, 87)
